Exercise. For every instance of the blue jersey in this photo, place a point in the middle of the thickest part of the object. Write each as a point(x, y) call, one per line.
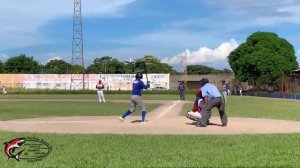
point(210, 91)
point(137, 87)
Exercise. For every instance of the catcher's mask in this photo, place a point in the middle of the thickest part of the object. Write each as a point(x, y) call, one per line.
point(139, 75)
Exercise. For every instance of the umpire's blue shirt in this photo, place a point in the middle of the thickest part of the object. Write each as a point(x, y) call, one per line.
point(210, 91)
point(137, 87)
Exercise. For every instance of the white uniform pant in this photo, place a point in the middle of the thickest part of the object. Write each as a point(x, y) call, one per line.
point(101, 96)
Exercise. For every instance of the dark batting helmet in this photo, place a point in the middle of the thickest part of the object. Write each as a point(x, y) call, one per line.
point(139, 75)
point(203, 81)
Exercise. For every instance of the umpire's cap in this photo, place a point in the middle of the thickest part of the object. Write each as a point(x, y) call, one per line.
point(203, 81)
point(139, 75)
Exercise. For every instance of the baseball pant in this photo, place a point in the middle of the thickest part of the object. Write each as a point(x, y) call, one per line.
point(100, 96)
point(206, 111)
point(181, 95)
point(224, 94)
point(137, 101)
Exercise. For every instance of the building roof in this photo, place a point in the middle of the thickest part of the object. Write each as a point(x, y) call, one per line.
point(297, 71)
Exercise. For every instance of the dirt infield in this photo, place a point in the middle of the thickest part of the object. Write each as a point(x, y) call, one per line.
point(163, 120)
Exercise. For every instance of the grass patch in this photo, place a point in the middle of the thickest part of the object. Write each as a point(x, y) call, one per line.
point(275, 150)
point(258, 107)
point(94, 96)
point(28, 109)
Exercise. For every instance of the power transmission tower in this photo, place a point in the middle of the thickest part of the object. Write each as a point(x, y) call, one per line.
point(77, 80)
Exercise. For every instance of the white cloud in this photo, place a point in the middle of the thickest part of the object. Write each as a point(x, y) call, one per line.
point(170, 39)
point(258, 13)
point(3, 57)
point(205, 55)
point(54, 58)
point(21, 20)
point(51, 56)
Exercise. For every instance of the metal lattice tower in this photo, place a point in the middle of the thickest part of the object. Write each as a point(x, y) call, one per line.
point(77, 80)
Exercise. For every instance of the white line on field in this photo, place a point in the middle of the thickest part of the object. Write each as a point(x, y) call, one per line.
point(51, 122)
point(168, 109)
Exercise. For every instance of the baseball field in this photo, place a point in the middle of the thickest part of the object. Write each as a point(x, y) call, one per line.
point(261, 132)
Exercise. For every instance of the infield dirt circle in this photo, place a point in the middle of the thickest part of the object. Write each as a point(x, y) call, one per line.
point(163, 120)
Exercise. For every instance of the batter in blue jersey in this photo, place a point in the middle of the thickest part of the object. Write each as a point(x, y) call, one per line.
point(136, 98)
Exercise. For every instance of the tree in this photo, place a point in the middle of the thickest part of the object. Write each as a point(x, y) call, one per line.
point(204, 70)
point(153, 65)
point(107, 65)
point(22, 64)
point(1, 67)
point(128, 67)
point(76, 69)
point(57, 67)
point(263, 57)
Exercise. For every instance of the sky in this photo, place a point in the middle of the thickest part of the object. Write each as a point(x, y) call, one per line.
point(206, 30)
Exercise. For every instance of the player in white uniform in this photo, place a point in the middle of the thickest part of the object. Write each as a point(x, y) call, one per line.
point(4, 92)
point(100, 89)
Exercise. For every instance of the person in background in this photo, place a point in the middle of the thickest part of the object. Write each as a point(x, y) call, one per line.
point(100, 90)
point(224, 90)
point(241, 90)
point(181, 90)
point(228, 89)
point(4, 91)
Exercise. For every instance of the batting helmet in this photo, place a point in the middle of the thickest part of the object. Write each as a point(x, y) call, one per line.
point(203, 81)
point(139, 75)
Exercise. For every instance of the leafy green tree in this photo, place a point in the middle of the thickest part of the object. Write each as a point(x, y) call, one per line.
point(76, 69)
point(204, 70)
point(1, 67)
point(128, 67)
point(263, 57)
point(106, 64)
point(109, 65)
point(22, 64)
point(57, 67)
point(153, 65)
point(227, 71)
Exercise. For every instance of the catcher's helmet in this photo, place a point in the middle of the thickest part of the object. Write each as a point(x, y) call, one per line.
point(139, 75)
point(203, 81)
point(198, 93)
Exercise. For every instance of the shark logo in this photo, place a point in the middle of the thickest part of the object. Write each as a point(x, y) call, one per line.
point(12, 145)
point(34, 149)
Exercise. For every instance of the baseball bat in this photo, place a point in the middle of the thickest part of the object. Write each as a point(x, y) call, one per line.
point(145, 68)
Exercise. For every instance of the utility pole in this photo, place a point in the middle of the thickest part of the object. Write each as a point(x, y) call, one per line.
point(77, 80)
point(185, 59)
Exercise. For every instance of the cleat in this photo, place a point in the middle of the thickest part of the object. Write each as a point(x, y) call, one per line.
point(122, 119)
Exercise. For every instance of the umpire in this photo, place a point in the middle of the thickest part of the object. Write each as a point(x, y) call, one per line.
point(212, 98)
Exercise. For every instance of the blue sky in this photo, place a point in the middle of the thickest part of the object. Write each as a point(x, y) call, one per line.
point(124, 29)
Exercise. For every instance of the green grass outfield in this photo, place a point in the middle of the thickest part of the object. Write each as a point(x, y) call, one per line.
point(105, 150)
point(94, 96)
point(102, 150)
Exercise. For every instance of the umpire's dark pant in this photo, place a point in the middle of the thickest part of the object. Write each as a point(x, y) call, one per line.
point(206, 111)
point(181, 95)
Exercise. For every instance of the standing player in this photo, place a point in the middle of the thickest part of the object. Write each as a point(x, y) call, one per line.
point(100, 89)
point(4, 92)
point(224, 90)
point(181, 90)
point(136, 98)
